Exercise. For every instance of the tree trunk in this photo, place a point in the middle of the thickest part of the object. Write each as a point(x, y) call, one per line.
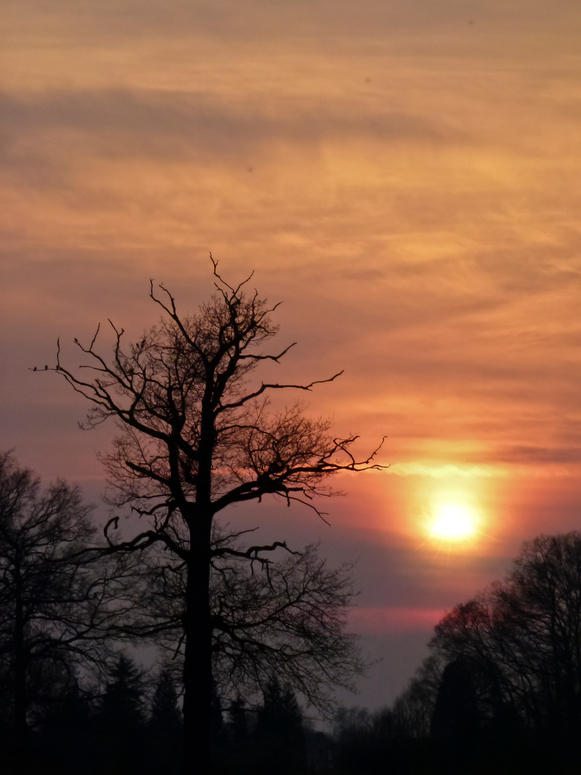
point(20, 703)
point(198, 653)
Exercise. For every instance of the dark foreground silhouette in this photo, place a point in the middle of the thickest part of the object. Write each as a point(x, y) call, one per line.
point(500, 693)
point(122, 733)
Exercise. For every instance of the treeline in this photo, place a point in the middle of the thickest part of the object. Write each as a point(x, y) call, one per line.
point(73, 607)
point(501, 690)
point(130, 725)
point(134, 727)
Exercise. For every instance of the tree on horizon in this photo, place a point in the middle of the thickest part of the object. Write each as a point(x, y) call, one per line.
point(56, 600)
point(120, 721)
point(279, 734)
point(196, 437)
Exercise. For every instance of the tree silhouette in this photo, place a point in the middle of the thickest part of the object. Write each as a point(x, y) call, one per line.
point(280, 739)
point(66, 743)
point(165, 718)
point(456, 714)
point(121, 719)
point(197, 437)
point(456, 719)
point(284, 617)
point(523, 640)
point(164, 728)
point(368, 742)
point(239, 735)
point(414, 707)
point(55, 597)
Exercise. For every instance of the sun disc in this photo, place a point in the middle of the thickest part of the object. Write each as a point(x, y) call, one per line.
point(453, 522)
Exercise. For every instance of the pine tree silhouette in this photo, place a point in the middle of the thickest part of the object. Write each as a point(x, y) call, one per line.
point(280, 737)
point(121, 722)
point(165, 727)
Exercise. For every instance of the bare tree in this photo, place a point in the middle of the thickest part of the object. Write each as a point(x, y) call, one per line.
point(523, 637)
point(58, 598)
point(280, 615)
point(196, 437)
point(414, 707)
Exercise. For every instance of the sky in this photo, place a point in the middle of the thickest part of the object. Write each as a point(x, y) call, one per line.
point(402, 175)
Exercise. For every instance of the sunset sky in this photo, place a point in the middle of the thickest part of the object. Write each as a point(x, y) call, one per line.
point(404, 175)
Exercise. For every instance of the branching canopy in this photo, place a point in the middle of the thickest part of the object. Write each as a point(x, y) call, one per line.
point(197, 434)
point(274, 612)
point(193, 428)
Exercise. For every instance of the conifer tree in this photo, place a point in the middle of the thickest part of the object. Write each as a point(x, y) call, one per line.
point(165, 726)
point(121, 719)
point(280, 739)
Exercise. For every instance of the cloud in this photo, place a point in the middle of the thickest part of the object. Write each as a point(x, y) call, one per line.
point(528, 454)
point(258, 21)
point(447, 470)
point(168, 126)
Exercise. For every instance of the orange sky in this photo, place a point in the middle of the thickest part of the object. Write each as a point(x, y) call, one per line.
point(403, 175)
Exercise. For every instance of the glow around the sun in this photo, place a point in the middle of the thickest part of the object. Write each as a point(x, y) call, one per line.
point(453, 522)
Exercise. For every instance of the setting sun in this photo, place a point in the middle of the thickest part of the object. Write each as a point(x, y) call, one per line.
point(453, 522)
